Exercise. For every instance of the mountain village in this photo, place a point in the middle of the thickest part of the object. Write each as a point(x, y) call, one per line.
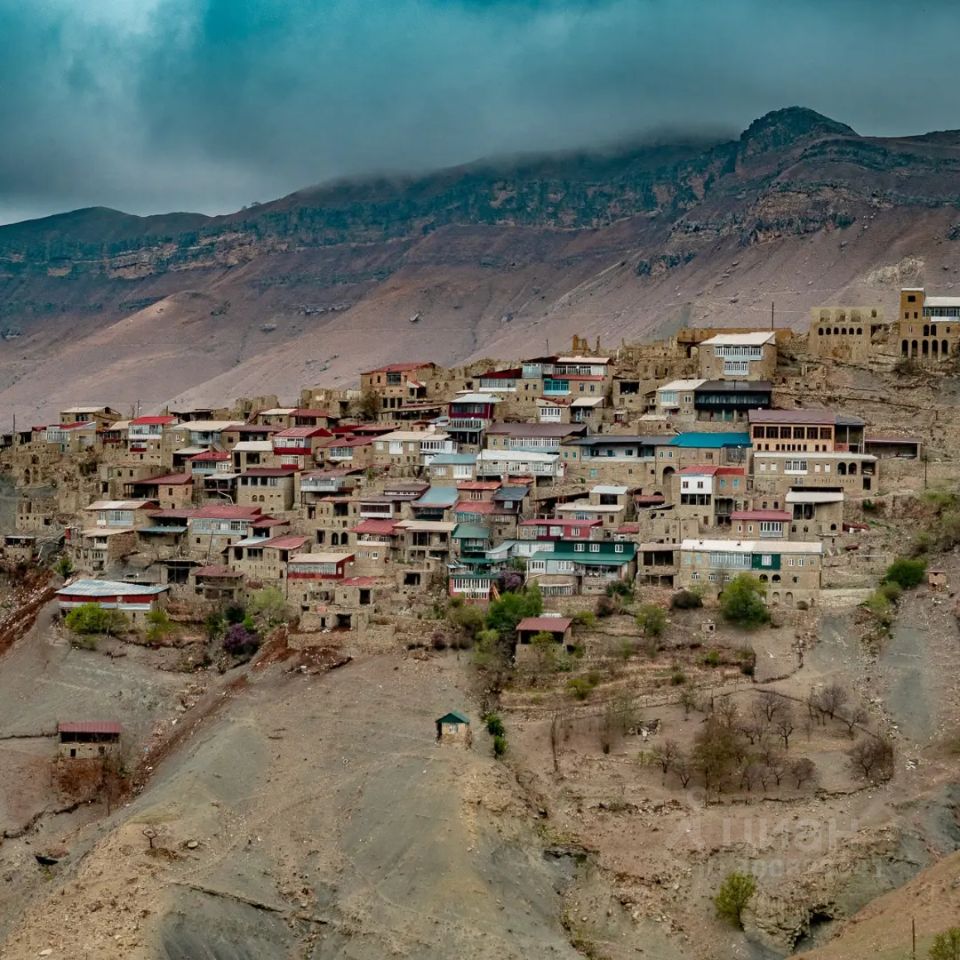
point(676, 464)
point(579, 523)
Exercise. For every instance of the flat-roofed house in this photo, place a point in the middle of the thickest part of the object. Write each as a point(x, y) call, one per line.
point(738, 356)
point(789, 569)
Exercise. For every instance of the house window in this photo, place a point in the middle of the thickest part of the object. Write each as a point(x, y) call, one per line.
point(594, 547)
point(618, 548)
point(579, 547)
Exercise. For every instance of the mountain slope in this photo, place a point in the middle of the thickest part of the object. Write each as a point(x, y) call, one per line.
point(496, 257)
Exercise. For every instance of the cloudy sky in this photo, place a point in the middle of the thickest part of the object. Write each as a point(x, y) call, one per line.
point(157, 105)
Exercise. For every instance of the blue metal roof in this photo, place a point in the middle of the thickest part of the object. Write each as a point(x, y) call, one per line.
point(710, 440)
point(437, 497)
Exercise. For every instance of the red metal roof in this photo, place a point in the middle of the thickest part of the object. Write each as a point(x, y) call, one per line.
point(217, 570)
point(700, 470)
point(302, 432)
point(649, 499)
point(780, 515)
point(374, 526)
point(171, 479)
point(210, 455)
point(228, 512)
point(479, 485)
point(550, 624)
point(287, 471)
point(268, 522)
point(285, 542)
point(399, 368)
point(560, 522)
point(89, 726)
point(152, 421)
point(475, 506)
point(358, 582)
point(311, 412)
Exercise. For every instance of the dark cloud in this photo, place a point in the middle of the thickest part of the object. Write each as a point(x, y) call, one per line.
point(153, 105)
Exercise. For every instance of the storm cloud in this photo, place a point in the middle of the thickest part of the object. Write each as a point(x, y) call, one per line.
point(157, 105)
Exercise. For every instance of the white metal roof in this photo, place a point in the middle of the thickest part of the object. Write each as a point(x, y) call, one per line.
point(105, 531)
point(756, 338)
point(516, 456)
point(254, 446)
point(110, 588)
point(681, 385)
point(585, 506)
point(413, 435)
point(209, 426)
point(587, 402)
point(276, 412)
point(752, 546)
point(941, 301)
point(427, 526)
point(814, 496)
point(585, 360)
point(475, 398)
point(809, 455)
point(611, 488)
point(320, 557)
point(120, 504)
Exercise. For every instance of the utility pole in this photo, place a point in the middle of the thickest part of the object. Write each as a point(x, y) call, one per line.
point(772, 308)
point(913, 932)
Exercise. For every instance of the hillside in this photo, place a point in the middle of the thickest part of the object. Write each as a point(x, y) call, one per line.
point(495, 257)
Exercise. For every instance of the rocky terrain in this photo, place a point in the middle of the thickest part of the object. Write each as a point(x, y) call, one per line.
point(496, 258)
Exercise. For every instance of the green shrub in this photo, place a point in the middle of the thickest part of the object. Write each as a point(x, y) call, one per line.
point(686, 600)
point(946, 945)
point(620, 588)
point(891, 590)
point(494, 725)
point(607, 606)
point(733, 896)
point(499, 746)
point(580, 687)
point(268, 605)
point(712, 659)
point(504, 614)
point(161, 626)
point(678, 678)
point(91, 618)
point(906, 572)
point(585, 618)
point(869, 506)
point(64, 566)
point(742, 601)
point(651, 620)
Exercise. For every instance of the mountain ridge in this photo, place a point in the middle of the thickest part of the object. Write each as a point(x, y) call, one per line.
point(498, 254)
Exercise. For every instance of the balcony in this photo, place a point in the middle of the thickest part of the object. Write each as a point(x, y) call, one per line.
point(466, 423)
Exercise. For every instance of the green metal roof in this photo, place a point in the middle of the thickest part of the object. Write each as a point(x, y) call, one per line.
point(712, 441)
point(471, 531)
point(454, 716)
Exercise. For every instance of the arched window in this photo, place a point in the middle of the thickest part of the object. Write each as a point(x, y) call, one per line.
point(934, 347)
point(852, 471)
point(913, 348)
point(842, 469)
point(926, 330)
point(859, 331)
point(944, 349)
point(933, 329)
point(820, 332)
point(836, 331)
point(905, 348)
point(925, 348)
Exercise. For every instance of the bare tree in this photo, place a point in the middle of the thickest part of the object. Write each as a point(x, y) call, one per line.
point(777, 764)
point(688, 700)
point(755, 724)
point(770, 704)
point(801, 770)
point(726, 711)
point(856, 718)
point(783, 724)
point(831, 699)
point(872, 758)
point(666, 754)
point(749, 773)
point(683, 769)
